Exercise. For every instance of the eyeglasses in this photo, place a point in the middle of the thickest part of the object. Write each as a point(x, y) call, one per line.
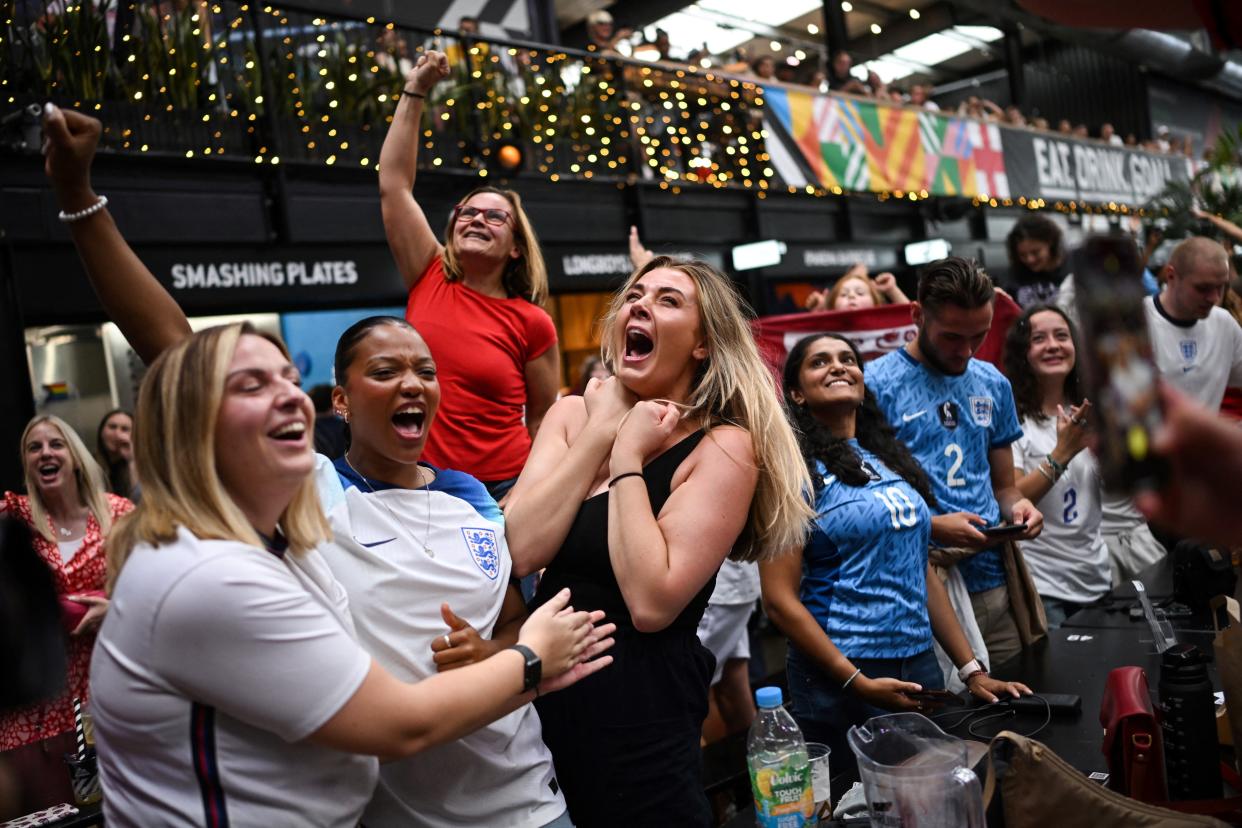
point(491, 215)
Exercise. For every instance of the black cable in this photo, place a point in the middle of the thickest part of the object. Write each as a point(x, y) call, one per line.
point(982, 715)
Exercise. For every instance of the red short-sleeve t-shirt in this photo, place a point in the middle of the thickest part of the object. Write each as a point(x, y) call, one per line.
point(481, 346)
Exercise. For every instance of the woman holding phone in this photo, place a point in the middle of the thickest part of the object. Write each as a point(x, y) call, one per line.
point(858, 601)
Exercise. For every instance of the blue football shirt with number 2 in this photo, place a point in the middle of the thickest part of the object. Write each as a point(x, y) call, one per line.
point(951, 423)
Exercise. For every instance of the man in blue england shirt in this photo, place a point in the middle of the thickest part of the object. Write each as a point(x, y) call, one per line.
point(957, 416)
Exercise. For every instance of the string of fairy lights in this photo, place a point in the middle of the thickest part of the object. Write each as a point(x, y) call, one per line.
point(240, 80)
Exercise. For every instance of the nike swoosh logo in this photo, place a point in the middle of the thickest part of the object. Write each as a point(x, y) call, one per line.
point(377, 543)
point(905, 418)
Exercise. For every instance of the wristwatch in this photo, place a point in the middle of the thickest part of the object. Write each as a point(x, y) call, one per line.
point(971, 669)
point(534, 667)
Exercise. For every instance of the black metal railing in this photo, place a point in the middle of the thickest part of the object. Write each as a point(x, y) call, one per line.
point(247, 81)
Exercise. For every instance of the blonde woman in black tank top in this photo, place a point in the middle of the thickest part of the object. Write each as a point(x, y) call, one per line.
point(635, 493)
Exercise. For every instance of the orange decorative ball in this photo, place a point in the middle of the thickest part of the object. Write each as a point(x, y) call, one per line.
point(509, 156)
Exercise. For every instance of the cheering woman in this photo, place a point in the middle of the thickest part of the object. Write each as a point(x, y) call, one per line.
point(634, 495)
point(230, 646)
point(858, 601)
point(476, 302)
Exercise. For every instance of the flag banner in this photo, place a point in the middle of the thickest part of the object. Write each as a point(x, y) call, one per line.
point(855, 144)
point(839, 141)
point(875, 331)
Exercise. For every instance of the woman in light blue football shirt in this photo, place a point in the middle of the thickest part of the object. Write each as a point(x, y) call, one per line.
point(858, 601)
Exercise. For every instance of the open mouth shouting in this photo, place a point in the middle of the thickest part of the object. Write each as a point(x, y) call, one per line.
point(410, 421)
point(48, 472)
point(638, 345)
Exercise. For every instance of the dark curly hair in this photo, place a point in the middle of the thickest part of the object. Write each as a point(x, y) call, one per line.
point(1035, 228)
point(871, 429)
point(1026, 394)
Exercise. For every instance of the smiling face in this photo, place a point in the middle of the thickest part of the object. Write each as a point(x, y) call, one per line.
point(391, 393)
point(49, 463)
point(477, 238)
point(854, 293)
point(263, 428)
point(830, 378)
point(660, 335)
point(1051, 349)
point(117, 435)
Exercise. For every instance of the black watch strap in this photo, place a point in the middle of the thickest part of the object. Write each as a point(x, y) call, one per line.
point(534, 667)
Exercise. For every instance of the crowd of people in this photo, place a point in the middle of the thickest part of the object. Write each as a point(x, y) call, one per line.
point(267, 623)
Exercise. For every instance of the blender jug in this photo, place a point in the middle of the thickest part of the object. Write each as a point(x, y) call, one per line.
point(915, 775)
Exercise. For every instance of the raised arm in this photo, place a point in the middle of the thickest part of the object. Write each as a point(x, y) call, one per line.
point(781, 579)
point(133, 298)
point(662, 560)
point(1224, 225)
point(1072, 434)
point(413, 243)
point(572, 444)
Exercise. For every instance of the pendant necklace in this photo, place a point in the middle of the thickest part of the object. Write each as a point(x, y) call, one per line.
point(427, 532)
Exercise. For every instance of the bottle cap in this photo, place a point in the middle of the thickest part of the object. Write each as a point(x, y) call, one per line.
point(768, 697)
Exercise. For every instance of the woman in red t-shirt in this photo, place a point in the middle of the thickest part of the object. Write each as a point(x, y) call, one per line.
point(475, 300)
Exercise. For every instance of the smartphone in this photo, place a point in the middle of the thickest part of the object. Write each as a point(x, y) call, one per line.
point(1115, 352)
point(1003, 530)
point(1059, 704)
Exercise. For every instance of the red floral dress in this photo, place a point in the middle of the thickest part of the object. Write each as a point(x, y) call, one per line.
point(83, 573)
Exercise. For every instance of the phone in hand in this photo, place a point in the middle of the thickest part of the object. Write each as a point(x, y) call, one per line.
point(1003, 530)
point(1115, 350)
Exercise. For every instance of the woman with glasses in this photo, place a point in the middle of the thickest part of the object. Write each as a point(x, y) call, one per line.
point(476, 301)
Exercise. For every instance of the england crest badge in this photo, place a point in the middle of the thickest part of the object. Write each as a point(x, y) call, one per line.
point(981, 411)
point(1190, 349)
point(484, 549)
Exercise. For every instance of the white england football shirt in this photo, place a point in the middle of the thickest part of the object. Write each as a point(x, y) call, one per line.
point(1069, 559)
point(1201, 358)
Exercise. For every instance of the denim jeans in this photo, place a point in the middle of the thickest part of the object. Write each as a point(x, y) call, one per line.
point(825, 712)
point(1057, 610)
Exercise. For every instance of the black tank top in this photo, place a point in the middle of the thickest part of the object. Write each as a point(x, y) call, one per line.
point(583, 565)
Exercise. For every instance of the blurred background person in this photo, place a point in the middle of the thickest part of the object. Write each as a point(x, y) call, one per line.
point(1037, 261)
point(856, 290)
point(114, 442)
point(70, 513)
point(593, 367)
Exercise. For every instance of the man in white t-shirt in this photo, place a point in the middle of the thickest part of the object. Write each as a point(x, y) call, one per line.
point(1197, 345)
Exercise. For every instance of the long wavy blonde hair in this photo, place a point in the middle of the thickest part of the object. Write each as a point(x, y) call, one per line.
point(92, 490)
point(175, 449)
point(733, 386)
point(525, 276)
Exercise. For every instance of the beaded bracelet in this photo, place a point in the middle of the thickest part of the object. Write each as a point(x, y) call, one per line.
point(69, 218)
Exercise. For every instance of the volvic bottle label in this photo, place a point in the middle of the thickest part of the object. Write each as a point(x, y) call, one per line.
point(783, 794)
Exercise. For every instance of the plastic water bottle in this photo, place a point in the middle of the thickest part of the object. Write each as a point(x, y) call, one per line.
point(780, 774)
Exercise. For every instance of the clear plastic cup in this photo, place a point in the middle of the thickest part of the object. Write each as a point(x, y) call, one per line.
point(821, 777)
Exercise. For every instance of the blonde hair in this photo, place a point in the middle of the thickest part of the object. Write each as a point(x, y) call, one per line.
point(854, 276)
point(525, 276)
point(92, 490)
point(175, 450)
point(733, 386)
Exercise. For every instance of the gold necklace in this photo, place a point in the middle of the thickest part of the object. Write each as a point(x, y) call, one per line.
point(427, 533)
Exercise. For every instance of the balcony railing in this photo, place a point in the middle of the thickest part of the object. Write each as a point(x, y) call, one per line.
point(247, 81)
point(233, 80)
